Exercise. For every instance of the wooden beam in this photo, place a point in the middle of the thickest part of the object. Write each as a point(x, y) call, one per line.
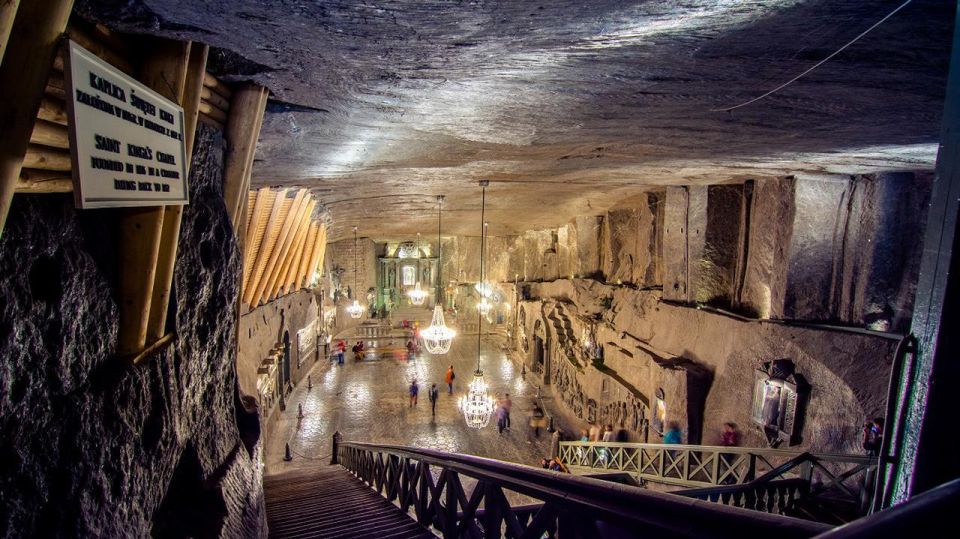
point(163, 70)
point(56, 86)
point(270, 236)
point(50, 134)
point(53, 110)
point(113, 55)
point(296, 238)
point(214, 84)
point(258, 220)
point(243, 130)
point(189, 99)
point(8, 11)
point(308, 247)
point(216, 124)
point(292, 262)
point(284, 239)
point(320, 250)
point(26, 62)
point(44, 181)
point(45, 158)
point(213, 112)
point(215, 99)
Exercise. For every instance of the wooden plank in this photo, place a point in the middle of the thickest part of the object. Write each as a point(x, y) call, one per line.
point(280, 249)
point(246, 116)
point(258, 220)
point(213, 112)
point(284, 246)
point(50, 134)
point(196, 65)
point(53, 110)
point(271, 233)
point(44, 181)
point(216, 124)
point(215, 99)
point(291, 262)
point(319, 251)
point(56, 86)
point(8, 11)
point(214, 84)
point(110, 54)
point(30, 48)
point(301, 276)
point(45, 158)
point(164, 70)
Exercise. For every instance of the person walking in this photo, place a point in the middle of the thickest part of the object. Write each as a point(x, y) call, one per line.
point(341, 351)
point(538, 419)
point(673, 435)
point(501, 414)
point(449, 378)
point(433, 395)
point(414, 390)
point(507, 404)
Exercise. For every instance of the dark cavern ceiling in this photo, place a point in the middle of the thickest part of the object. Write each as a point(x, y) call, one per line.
point(569, 107)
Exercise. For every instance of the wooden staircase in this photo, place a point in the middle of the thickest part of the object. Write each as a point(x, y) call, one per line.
point(331, 502)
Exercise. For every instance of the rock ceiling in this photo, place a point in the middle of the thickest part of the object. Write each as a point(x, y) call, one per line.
point(568, 106)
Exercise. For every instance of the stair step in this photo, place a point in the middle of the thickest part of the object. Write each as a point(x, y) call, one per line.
point(331, 502)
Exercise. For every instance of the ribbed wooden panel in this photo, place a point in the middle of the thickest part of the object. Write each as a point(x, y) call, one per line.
point(279, 209)
point(256, 229)
point(283, 242)
point(320, 250)
point(301, 277)
point(297, 233)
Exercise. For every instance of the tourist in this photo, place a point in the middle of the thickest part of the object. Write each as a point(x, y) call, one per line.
point(501, 415)
point(414, 390)
point(584, 435)
point(545, 463)
point(608, 434)
point(557, 465)
point(449, 380)
point(729, 437)
point(433, 395)
point(873, 436)
point(410, 349)
point(341, 351)
point(673, 435)
point(507, 404)
point(594, 432)
point(538, 419)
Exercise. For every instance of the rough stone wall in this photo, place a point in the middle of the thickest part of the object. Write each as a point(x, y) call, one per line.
point(848, 372)
point(721, 250)
point(587, 240)
point(771, 224)
point(92, 445)
point(264, 327)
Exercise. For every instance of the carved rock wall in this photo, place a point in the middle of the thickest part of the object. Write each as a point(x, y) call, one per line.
point(92, 445)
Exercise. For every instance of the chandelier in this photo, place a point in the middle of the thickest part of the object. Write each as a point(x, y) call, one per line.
point(417, 295)
point(355, 310)
point(438, 337)
point(477, 406)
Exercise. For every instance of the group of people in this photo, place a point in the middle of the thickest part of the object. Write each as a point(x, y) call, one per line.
point(434, 393)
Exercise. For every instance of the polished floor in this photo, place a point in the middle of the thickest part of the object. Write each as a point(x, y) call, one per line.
point(369, 401)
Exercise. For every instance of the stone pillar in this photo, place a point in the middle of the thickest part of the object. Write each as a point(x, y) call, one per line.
point(770, 228)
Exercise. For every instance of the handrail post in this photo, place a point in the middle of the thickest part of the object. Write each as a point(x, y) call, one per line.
point(335, 457)
point(752, 470)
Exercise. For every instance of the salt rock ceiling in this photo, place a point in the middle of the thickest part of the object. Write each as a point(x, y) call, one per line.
point(568, 107)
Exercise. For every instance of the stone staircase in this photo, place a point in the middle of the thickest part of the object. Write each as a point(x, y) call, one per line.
point(563, 329)
point(331, 502)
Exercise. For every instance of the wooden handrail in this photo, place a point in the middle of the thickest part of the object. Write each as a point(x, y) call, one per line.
point(580, 505)
point(824, 457)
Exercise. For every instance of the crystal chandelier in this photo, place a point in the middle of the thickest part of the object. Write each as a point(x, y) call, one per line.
point(355, 310)
point(417, 295)
point(438, 337)
point(477, 406)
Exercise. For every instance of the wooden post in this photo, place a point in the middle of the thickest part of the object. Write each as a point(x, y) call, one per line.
point(243, 130)
point(8, 11)
point(29, 51)
point(172, 215)
point(164, 70)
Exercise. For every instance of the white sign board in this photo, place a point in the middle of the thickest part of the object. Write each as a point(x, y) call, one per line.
point(126, 140)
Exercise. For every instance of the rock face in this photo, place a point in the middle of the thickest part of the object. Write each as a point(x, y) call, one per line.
point(95, 446)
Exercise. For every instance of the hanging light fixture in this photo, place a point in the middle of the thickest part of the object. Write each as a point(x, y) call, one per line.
point(438, 337)
point(483, 286)
point(477, 406)
point(417, 295)
point(355, 310)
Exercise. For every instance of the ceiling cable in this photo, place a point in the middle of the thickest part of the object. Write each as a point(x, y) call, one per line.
point(818, 64)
